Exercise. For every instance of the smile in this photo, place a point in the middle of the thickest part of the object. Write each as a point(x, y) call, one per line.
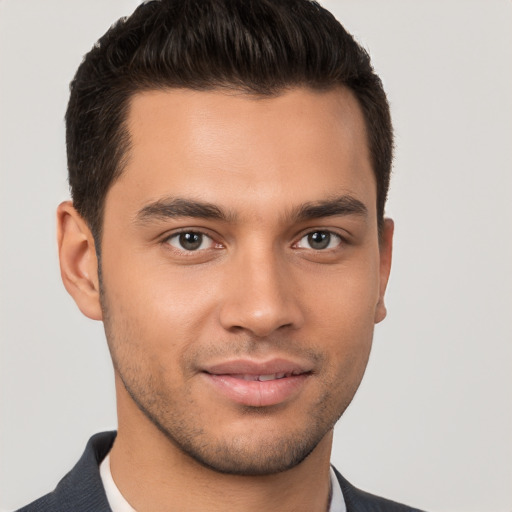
point(256, 384)
point(262, 378)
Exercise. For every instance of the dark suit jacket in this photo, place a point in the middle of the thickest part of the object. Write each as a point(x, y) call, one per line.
point(81, 490)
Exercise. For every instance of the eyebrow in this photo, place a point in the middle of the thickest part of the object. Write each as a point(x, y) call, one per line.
point(172, 207)
point(175, 207)
point(337, 206)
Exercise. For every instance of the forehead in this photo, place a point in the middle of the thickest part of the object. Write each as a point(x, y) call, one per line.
point(246, 152)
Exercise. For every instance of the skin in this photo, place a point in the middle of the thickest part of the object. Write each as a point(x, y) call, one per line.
point(256, 289)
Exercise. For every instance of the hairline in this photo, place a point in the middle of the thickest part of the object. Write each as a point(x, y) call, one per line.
point(124, 136)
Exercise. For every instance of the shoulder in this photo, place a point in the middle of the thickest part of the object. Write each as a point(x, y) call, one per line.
point(81, 490)
point(357, 500)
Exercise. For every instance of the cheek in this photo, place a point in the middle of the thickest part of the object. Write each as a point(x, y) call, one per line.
point(158, 293)
point(156, 319)
point(342, 317)
point(344, 300)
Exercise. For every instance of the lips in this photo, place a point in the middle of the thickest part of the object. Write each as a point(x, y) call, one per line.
point(262, 378)
point(258, 384)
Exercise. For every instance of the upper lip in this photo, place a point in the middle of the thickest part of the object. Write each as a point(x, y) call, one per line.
point(252, 367)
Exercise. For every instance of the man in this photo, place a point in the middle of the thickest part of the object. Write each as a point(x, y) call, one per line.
point(229, 163)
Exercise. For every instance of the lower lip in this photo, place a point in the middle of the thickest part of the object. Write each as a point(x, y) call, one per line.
point(255, 393)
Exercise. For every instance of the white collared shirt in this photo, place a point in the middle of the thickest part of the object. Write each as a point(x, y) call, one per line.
point(115, 498)
point(118, 503)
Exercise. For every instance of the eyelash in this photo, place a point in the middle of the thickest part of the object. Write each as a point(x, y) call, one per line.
point(176, 235)
point(216, 245)
point(330, 235)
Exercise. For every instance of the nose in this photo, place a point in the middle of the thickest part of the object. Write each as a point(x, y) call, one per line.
point(260, 296)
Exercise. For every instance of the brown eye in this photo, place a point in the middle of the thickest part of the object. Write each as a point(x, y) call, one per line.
point(190, 241)
point(319, 240)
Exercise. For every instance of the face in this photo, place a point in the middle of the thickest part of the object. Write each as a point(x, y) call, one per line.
point(242, 272)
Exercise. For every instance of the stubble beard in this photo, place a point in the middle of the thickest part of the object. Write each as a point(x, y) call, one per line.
point(276, 452)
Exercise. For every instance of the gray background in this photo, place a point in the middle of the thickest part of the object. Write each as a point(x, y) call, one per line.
point(432, 422)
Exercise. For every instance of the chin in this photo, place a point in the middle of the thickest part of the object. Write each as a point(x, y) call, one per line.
point(263, 450)
point(248, 457)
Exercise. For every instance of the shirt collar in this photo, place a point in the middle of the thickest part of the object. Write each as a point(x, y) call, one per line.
point(118, 502)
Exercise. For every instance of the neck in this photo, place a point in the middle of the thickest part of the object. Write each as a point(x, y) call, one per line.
point(154, 474)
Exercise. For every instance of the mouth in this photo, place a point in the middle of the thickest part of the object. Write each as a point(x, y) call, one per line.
point(264, 378)
point(258, 384)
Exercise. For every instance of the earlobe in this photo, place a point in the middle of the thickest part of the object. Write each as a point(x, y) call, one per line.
point(78, 261)
point(386, 250)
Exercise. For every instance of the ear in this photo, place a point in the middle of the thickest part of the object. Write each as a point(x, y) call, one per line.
point(386, 250)
point(78, 261)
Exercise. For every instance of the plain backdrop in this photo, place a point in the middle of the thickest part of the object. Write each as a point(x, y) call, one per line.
point(432, 422)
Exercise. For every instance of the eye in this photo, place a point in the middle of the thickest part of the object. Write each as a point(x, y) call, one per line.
point(320, 240)
point(190, 241)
